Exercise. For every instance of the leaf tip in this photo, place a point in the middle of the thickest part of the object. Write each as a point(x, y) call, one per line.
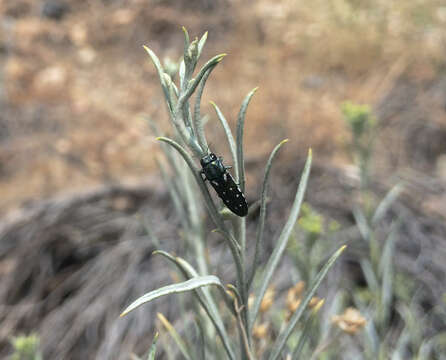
point(284, 141)
point(310, 152)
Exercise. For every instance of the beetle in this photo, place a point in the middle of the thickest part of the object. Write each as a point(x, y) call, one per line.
point(223, 183)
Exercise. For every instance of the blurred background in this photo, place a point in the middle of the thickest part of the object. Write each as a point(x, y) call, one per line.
point(76, 87)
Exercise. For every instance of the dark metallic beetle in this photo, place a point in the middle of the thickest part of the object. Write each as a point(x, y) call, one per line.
point(221, 180)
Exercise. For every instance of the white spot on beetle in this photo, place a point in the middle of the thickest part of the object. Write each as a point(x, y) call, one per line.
point(238, 195)
point(225, 177)
point(215, 182)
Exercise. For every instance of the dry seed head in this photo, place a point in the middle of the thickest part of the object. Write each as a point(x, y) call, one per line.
point(293, 305)
point(294, 295)
point(299, 288)
point(351, 321)
point(318, 306)
point(250, 301)
point(231, 294)
point(260, 331)
point(267, 300)
point(313, 302)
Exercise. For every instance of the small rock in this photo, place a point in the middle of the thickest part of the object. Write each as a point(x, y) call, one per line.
point(87, 55)
point(50, 81)
point(79, 34)
point(313, 82)
point(55, 10)
point(123, 16)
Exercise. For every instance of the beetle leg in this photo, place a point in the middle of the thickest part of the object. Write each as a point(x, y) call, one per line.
point(203, 176)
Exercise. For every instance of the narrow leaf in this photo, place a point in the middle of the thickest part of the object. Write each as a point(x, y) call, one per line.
point(240, 129)
point(387, 272)
point(186, 38)
point(387, 202)
point(194, 83)
point(197, 120)
point(175, 336)
point(282, 242)
point(263, 198)
point(369, 274)
point(188, 285)
point(284, 335)
point(160, 71)
point(230, 138)
point(205, 299)
point(152, 350)
point(362, 224)
point(182, 75)
point(189, 272)
point(201, 43)
point(309, 325)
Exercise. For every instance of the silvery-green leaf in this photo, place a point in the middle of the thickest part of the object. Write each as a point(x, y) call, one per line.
point(263, 198)
point(240, 130)
point(205, 299)
point(152, 350)
point(188, 285)
point(184, 348)
point(387, 202)
point(160, 71)
point(230, 139)
point(282, 242)
point(201, 43)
